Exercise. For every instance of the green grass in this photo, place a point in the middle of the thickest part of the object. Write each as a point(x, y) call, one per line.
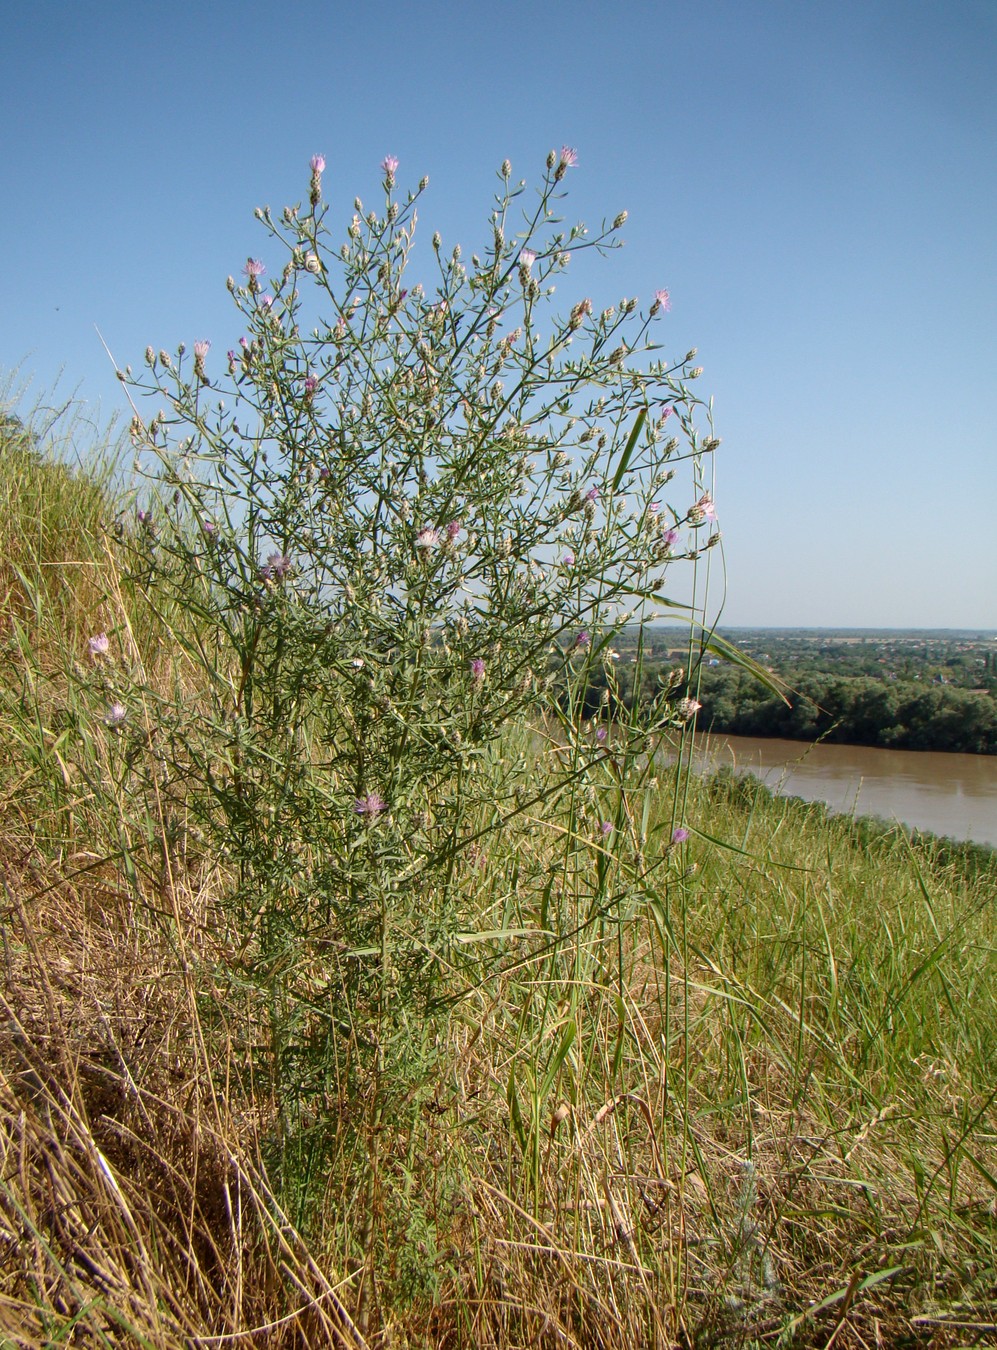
point(738, 1092)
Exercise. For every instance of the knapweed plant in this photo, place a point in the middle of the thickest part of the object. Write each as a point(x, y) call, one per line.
point(402, 517)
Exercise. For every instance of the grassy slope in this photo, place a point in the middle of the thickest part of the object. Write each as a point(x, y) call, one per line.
point(749, 1100)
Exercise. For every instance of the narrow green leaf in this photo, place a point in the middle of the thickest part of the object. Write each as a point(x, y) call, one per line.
point(629, 448)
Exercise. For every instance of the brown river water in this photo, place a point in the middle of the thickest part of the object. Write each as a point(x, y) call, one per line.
point(953, 795)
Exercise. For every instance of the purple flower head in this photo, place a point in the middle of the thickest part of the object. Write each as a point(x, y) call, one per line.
point(276, 567)
point(606, 828)
point(670, 538)
point(254, 269)
point(370, 806)
point(318, 163)
point(99, 645)
point(389, 164)
point(527, 258)
point(601, 735)
point(582, 639)
point(209, 527)
point(427, 539)
point(654, 508)
point(324, 474)
point(680, 835)
point(232, 356)
point(244, 344)
point(453, 530)
point(569, 156)
point(116, 714)
point(201, 348)
point(568, 560)
point(662, 300)
point(311, 384)
point(666, 412)
point(145, 519)
point(704, 509)
point(477, 670)
point(592, 495)
point(266, 300)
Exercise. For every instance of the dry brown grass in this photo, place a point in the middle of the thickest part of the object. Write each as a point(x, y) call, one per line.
point(136, 1210)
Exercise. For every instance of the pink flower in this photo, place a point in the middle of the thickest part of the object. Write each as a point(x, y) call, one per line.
point(606, 828)
point(670, 538)
point(704, 509)
point(568, 560)
point(453, 530)
point(371, 805)
point(527, 258)
point(99, 645)
point(254, 269)
point(201, 349)
point(582, 639)
point(569, 156)
point(318, 163)
point(688, 707)
point(426, 540)
point(477, 670)
point(266, 301)
point(311, 384)
point(601, 735)
point(662, 300)
point(389, 164)
point(276, 568)
point(592, 495)
point(116, 714)
point(680, 835)
point(654, 508)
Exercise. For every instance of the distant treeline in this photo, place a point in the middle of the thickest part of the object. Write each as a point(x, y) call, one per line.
point(852, 710)
point(848, 709)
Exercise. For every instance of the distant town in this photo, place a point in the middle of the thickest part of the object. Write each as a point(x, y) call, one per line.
point(921, 689)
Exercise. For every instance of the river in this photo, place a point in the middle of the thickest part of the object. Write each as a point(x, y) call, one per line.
point(953, 795)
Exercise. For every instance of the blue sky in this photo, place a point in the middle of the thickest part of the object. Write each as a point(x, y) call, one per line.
point(813, 182)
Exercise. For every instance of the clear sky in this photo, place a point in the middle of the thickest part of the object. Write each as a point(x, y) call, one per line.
point(814, 181)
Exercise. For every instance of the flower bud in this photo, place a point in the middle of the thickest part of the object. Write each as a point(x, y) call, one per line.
point(551, 159)
point(620, 220)
point(506, 169)
point(695, 373)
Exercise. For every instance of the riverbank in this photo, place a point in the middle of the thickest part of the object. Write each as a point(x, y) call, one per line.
point(949, 795)
point(705, 1066)
point(751, 1096)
